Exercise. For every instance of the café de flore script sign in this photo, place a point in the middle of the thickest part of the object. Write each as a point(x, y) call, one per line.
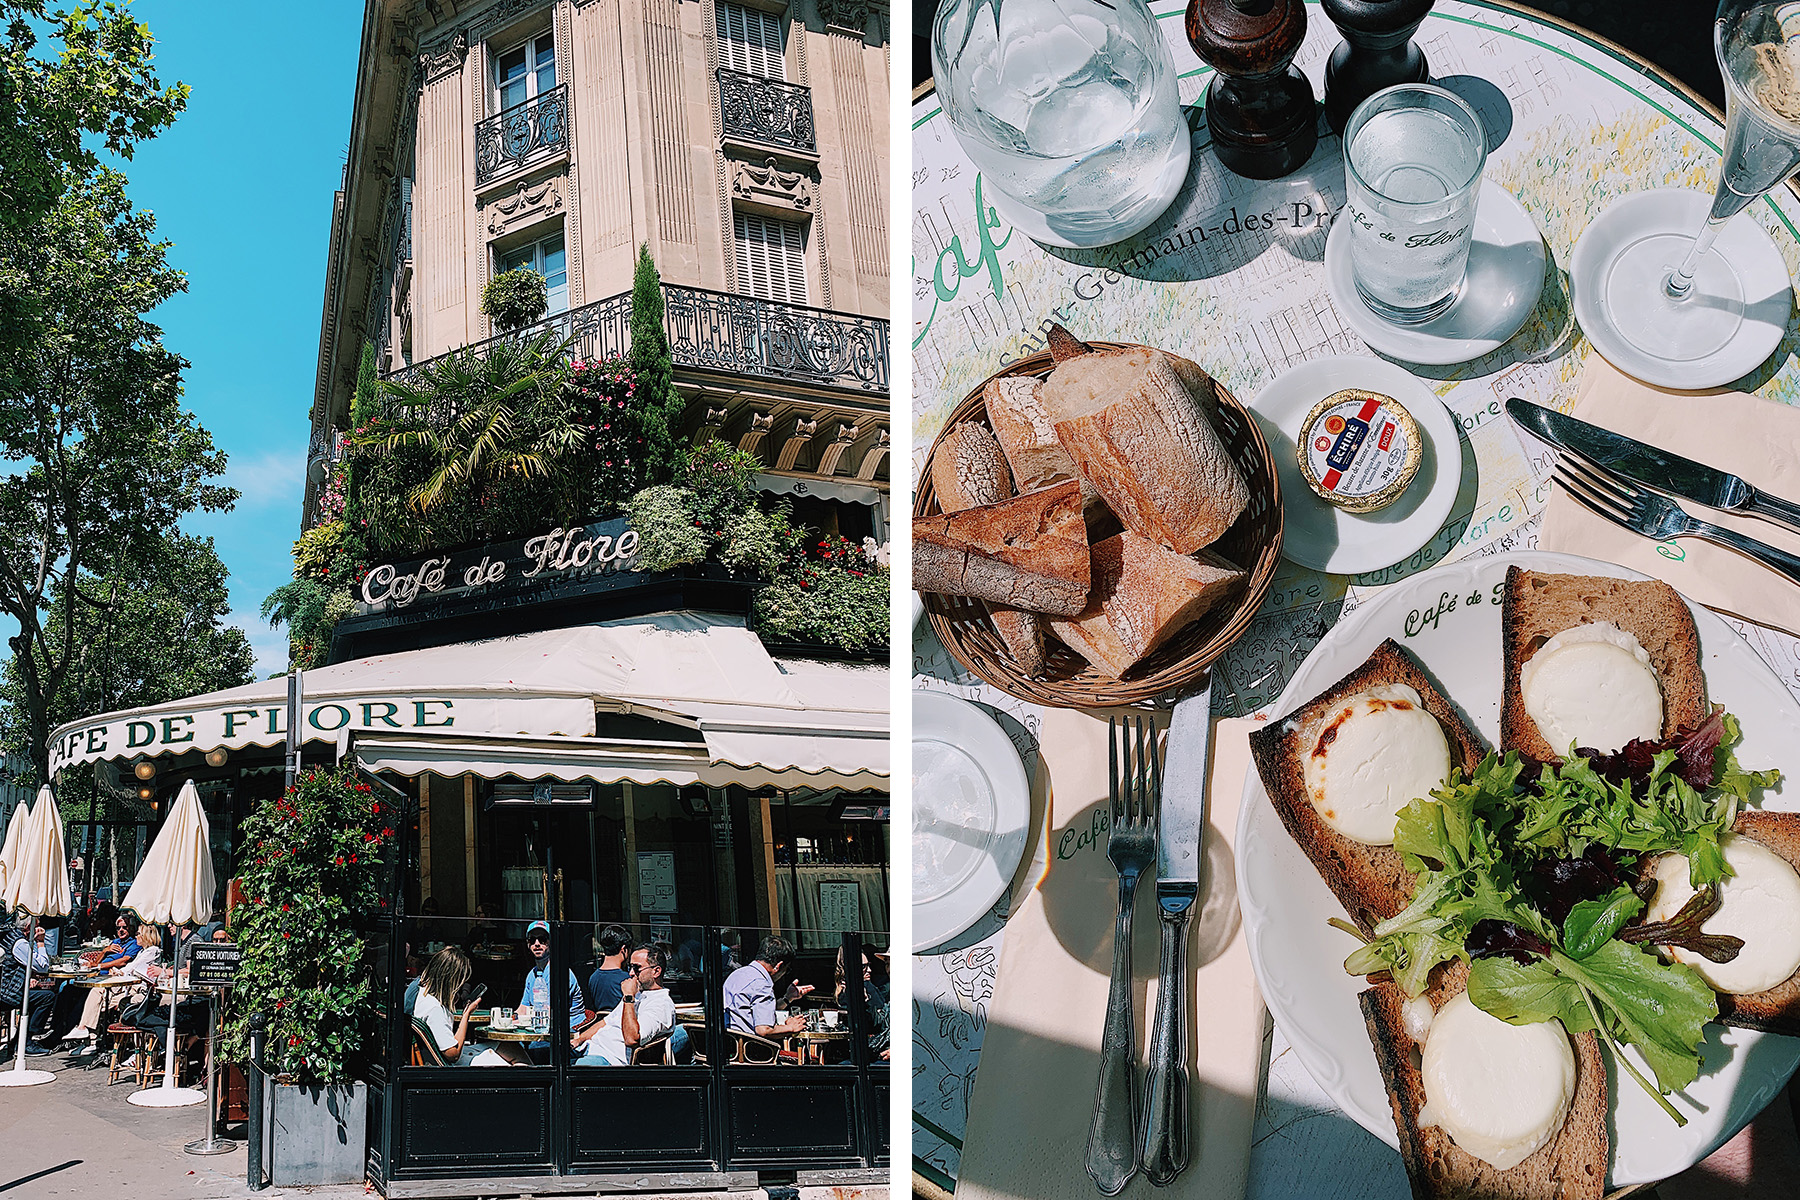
point(519, 571)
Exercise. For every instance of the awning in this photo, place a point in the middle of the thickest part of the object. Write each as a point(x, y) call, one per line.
point(790, 722)
point(847, 491)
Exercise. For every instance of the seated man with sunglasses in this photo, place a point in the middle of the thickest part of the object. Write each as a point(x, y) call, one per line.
point(537, 986)
point(646, 1012)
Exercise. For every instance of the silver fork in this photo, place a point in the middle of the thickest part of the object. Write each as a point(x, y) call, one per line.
point(1654, 516)
point(1112, 1139)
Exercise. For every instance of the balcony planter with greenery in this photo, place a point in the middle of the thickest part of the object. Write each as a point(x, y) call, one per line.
point(312, 881)
point(516, 298)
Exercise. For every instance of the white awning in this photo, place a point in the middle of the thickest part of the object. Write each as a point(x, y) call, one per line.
point(792, 722)
point(847, 491)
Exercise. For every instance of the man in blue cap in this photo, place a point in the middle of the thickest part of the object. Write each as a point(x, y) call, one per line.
point(537, 986)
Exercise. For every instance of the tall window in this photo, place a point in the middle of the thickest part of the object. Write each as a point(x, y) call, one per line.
point(547, 258)
point(525, 71)
point(771, 258)
point(750, 41)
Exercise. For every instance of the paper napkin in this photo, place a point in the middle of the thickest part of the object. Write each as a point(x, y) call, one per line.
point(1733, 431)
point(1034, 1091)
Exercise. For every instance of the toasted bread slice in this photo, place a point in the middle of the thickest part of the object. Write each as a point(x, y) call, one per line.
point(1142, 595)
point(1570, 1166)
point(1028, 551)
point(1536, 607)
point(1777, 1009)
point(1370, 882)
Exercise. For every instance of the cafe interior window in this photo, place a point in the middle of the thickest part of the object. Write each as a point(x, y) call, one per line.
point(525, 71)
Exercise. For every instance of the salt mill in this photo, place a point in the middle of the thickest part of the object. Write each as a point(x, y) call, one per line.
point(1377, 52)
point(1259, 107)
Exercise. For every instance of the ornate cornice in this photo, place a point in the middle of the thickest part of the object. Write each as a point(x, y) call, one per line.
point(526, 203)
point(849, 15)
point(443, 58)
point(769, 185)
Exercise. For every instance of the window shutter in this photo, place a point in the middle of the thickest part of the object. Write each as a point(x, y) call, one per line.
point(750, 41)
point(771, 258)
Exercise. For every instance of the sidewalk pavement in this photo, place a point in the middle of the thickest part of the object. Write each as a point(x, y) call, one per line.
point(75, 1138)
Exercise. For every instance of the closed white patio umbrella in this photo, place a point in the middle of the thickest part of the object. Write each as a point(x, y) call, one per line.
point(37, 882)
point(175, 887)
point(14, 826)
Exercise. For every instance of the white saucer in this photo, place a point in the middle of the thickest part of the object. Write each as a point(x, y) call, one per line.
point(1745, 244)
point(971, 815)
point(1506, 275)
point(1324, 537)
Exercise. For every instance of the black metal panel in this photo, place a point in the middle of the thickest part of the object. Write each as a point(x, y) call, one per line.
point(878, 1118)
point(375, 1157)
point(478, 1125)
point(797, 1120)
point(644, 1119)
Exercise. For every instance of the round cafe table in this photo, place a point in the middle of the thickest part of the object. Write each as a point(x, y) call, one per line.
point(513, 1035)
point(813, 1041)
point(1574, 123)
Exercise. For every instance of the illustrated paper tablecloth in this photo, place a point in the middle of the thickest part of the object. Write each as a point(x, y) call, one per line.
point(1572, 127)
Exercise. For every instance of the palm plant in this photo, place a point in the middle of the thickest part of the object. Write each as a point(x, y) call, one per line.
point(484, 419)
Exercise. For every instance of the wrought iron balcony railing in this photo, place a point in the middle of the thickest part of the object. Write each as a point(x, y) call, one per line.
point(766, 110)
point(515, 136)
point(720, 331)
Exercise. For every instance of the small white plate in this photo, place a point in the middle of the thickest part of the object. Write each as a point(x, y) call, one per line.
point(971, 815)
point(1744, 244)
point(1449, 617)
point(1506, 275)
point(1323, 536)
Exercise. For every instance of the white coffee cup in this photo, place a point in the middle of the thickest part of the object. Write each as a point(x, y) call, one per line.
point(831, 1018)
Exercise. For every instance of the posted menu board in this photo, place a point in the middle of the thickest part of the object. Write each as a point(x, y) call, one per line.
point(839, 907)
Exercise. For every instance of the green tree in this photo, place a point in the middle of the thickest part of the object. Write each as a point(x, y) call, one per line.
point(365, 406)
point(106, 461)
point(150, 628)
point(70, 78)
point(658, 405)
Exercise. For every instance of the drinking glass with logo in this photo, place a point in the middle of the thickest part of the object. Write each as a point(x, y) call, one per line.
point(1068, 108)
point(1413, 156)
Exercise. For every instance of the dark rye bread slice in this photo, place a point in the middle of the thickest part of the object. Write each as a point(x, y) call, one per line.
point(1028, 552)
point(1570, 1166)
point(1538, 606)
point(1369, 881)
point(1776, 1010)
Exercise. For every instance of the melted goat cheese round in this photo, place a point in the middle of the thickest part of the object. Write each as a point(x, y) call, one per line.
point(1593, 686)
point(1759, 902)
point(1500, 1091)
point(1376, 752)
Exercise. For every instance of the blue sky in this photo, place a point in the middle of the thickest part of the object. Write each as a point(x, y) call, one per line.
point(242, 186)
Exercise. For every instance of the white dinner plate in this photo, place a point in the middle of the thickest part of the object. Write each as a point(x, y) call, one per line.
point(1299, 959)
point(971, 814)
point(1506, 276)
point(1742, 243)
point(1323, 536)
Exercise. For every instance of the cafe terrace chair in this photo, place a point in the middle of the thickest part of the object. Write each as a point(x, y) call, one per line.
point(425, 1052)
point(654, 1052)
point(757, 1051)
point(122, 1051)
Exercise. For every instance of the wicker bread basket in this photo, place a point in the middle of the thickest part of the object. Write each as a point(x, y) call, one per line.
point(1253, 542)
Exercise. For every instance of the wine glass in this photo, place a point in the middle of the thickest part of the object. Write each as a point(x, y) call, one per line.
point(1677, 298)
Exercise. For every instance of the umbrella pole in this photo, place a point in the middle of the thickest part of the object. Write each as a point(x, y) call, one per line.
point(168, 1095)
point(174, 989)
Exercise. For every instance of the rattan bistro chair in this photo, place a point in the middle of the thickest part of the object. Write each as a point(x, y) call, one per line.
point(425, 1052)
point(653, 1052)
point(751, 1049)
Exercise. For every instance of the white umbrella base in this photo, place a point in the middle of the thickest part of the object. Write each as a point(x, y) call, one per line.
point(210, 1146)
point(166, 1097)
point(12, 1077)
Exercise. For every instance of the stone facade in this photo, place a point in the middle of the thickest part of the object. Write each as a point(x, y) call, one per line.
point(642, 139)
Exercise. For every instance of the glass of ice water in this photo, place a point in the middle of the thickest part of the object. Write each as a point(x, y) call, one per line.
point(1412, 169)
point(1069, 110)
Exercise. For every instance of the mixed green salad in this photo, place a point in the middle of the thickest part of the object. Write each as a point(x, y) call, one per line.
point(1529, 872)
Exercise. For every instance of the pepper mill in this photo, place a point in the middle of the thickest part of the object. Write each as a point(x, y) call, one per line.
point(1377, 52)
point(1259, 106)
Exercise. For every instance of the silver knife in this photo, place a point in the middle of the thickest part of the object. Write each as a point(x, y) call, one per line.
point(1659, 469)
point(1178, 858)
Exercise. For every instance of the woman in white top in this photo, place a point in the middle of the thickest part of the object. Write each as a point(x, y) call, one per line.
point(140, 968)
point(443, 978)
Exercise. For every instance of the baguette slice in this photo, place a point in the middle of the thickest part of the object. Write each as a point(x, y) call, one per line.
point(1015, 407)
point(1065, 345)
point(1142, 595)
point(968, 471)
point(1536, 607)
point(1776, 1009)
point(1371, 882)
point(1570, 1166)
point(1028, 551)
point(1139, 434)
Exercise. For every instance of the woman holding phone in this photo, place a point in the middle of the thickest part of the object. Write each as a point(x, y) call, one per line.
point(440, 983)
